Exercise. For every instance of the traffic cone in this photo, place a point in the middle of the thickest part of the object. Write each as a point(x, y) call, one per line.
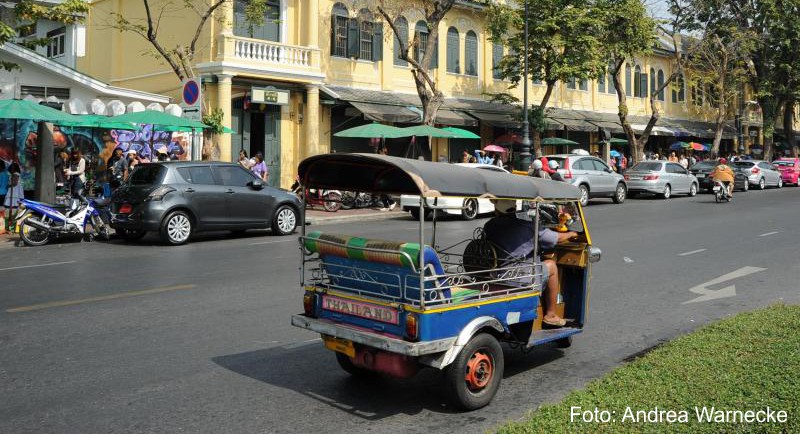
point(2, 221)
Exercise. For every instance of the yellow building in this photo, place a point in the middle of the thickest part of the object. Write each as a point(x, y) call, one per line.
point(316, 67)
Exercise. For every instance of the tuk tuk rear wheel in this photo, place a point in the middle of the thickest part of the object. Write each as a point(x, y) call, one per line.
point(474, 376)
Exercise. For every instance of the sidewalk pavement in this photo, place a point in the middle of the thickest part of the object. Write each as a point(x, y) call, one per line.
point(322, 217)
point(8, 240)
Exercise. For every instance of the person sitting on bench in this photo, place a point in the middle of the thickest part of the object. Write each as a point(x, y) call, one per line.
point(515, 237)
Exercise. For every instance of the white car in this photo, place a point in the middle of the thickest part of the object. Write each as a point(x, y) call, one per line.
point(467, 208)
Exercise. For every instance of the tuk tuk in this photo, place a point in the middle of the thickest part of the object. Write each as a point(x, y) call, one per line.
point(394, 307)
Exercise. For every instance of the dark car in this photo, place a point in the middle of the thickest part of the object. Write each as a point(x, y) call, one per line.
point(703, 169)
point(180, 198)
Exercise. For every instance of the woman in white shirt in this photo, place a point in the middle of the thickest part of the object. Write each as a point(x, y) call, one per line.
point(684, 162)
point(77, 172)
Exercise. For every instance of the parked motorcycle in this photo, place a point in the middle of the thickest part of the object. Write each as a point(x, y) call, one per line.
point(721, 192)
point(352, 199)
point(330, 200)
point(39, 222)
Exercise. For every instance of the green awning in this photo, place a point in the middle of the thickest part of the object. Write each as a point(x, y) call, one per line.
point(372, 131)
point(18, 109)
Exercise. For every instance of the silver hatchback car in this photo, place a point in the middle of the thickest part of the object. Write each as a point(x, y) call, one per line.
point(761, 174)
point(660, 177)
point(592, 176)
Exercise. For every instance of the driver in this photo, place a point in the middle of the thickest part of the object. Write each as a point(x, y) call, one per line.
point(515, 237)
point(724, 174)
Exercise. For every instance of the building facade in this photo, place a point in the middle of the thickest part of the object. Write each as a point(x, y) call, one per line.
point(315, 67)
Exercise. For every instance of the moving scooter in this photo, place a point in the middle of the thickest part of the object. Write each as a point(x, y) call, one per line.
point(39, 222)
point(721, 192)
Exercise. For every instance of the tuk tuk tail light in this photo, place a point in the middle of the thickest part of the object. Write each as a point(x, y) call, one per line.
point(309, 301)
point(412, 328)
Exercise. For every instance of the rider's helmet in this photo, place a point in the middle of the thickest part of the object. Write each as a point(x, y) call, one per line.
point(537, 164)
point(723, 161)
point(553, 164)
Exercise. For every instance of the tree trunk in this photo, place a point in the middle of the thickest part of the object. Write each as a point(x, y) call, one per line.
point(536, 140)
point(769, 107)
point(430, 106)
point(622, 111)
point(536, 135)
point(45, 176)
point(788, 126)
point(719, 125)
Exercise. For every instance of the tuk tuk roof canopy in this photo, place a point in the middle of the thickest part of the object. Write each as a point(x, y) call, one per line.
point(394, 175)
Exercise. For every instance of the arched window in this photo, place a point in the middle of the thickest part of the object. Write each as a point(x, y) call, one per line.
point(421, 34)
point(681, 89)
point(339, 21)
point(453, 51)
point(611, 88)
point(601, 82)
point(643, 85)
point(637, 81)
point(660, 84)
point(497, 56)
point(628, 79)
point(471, 53)
point(402, 29)
point(652, 81)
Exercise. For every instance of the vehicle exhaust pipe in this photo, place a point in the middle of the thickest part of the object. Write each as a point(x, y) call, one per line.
point(38, 224)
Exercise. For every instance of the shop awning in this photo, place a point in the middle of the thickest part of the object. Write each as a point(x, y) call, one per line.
point(612, 127)
point(657, 130)
point(386, 113)
point(497, 119)
point(454, 118)
point(576, 124)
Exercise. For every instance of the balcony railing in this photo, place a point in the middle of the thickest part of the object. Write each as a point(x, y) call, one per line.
point(270, 56)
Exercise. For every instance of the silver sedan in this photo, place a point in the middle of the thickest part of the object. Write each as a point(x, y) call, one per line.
point(660, 177)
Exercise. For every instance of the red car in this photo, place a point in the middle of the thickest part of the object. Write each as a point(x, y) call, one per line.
point(790, 170)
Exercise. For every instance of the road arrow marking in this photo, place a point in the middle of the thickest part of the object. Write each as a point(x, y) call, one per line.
point(728, 291)
point(769, 233)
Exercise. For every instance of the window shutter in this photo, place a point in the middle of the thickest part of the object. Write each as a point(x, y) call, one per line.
point(377, 42)
point(352, 38)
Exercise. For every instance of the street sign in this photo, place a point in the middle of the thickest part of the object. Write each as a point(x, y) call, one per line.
point(191, 99)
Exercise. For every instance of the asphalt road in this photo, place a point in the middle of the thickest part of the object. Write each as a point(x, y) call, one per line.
point(112, 337)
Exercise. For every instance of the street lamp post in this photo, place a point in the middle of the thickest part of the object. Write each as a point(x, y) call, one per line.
point(525, 152)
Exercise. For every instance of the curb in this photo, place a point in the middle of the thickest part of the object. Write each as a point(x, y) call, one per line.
point(396, 215)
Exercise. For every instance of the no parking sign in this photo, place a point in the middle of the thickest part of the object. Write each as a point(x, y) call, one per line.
point(191, 96)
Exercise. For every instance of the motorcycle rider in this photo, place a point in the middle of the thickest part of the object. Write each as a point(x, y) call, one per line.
point(724, 174)
point(537, 170)
point(554, 175)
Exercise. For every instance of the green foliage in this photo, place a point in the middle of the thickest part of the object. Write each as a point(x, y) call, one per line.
point(746, 362)
point(629, 31)
point(214, 119)
point(563, 39)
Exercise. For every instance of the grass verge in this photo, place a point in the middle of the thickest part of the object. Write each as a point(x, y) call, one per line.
point(750, 361)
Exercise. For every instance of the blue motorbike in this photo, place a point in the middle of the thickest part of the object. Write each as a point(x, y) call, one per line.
point(39, 222)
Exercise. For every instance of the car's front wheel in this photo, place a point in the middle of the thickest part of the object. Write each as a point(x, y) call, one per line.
point(285, 221)
point(620, 193)
point(470, 210)
point(176, 228)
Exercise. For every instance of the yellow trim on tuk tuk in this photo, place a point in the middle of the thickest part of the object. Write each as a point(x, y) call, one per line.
point(425, 311)
point(585, 226)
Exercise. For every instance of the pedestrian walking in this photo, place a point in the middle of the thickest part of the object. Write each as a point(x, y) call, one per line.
point(673, 158)
point(4, 181)
point(76, 171)
point(683, 161)
point(260, 168)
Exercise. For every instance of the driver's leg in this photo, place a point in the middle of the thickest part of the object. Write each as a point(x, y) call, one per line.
point(551, 291)
point(730, 188)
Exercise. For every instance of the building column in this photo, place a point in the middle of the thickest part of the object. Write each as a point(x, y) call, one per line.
point(311, 121)
point(312, 23)
point(224, 82)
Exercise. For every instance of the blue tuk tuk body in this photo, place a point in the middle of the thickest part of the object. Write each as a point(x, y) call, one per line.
point(394, 307)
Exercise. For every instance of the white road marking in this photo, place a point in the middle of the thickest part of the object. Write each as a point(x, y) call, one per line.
point(627, 260)
point(769, 233)
point(728, 291)
point(273, 242)
point(37, 265)
point(301, 344)
point(692, 252)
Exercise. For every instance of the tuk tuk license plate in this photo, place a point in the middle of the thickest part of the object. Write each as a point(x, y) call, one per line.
point(340, 345)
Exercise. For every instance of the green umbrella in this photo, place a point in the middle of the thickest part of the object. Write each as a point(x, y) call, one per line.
point(19, 109)
point(373, 131)
point(557, 141)
point(98, 121)
point(225, 130)
point(616, 141)
point(161, 119)
point(463, 134)
point(427, 130)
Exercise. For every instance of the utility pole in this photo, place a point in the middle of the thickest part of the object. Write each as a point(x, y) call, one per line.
point(525, 152)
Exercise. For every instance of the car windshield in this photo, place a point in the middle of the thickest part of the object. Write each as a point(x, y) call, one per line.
point(743, 164)
point(704, 165)
point(147, 174)
point(784, 163)
point(647, 166)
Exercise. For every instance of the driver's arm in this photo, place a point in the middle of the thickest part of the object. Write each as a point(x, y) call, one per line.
point(566, 236)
